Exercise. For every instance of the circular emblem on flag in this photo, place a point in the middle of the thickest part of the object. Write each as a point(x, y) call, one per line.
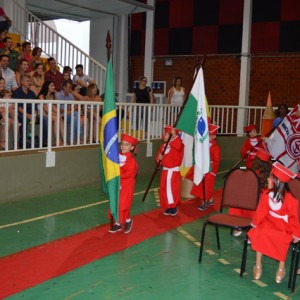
point(201, 126)
point(293, 146)
point(111, 147)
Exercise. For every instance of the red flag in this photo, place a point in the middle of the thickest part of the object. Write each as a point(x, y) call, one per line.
point(284, 143)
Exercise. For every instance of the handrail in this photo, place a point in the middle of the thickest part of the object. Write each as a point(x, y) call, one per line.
point(81, 128)
point(34, 30)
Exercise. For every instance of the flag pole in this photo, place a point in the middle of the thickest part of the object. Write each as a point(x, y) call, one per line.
point(198, 65)
point(108, 52)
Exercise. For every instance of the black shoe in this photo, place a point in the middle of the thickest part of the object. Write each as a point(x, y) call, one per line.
point(167, 212)
point(128, 226)
point(115, 228)
point(173, 211)
point(203, 206)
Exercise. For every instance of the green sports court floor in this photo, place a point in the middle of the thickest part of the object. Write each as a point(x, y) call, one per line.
point(164, 266)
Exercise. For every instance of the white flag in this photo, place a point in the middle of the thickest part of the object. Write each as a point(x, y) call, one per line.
point(201, 136)
point(284, 143)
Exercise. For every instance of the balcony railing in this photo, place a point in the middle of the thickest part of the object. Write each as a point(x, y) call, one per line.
point(77, 123)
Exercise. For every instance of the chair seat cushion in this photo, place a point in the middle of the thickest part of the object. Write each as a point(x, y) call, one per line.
point(229, 220)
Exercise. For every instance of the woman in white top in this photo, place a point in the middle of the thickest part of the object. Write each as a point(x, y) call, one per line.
point(176, 94)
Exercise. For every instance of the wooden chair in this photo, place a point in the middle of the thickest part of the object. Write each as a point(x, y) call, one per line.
point(294, 186)
point(241, 190)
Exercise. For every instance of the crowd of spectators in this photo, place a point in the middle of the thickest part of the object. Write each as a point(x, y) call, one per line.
point(24, 74)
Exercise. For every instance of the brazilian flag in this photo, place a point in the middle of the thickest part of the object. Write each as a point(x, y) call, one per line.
point(109, 149)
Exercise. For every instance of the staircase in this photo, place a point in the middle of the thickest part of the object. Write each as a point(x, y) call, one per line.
point(32, 29)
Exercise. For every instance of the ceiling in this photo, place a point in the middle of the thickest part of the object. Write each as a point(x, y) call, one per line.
point(83, 10)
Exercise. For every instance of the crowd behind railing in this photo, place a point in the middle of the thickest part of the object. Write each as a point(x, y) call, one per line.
point(70, 123)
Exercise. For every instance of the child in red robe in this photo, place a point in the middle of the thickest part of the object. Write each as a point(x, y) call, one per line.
point(248, 149)
point(128, 172)
point(275, 222)
point(209, 178)
point(170, 179)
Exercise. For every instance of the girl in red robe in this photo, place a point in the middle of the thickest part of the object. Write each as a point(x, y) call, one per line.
point(128, 172)
point(275, 222)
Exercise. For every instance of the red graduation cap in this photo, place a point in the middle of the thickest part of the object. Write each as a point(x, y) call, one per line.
point(213, 129)
point(168, 129)
point(263, 155)
point(129, 139)
point(249, 127)
point(282, 173)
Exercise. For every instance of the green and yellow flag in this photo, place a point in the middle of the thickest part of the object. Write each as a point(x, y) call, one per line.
point(109, 149)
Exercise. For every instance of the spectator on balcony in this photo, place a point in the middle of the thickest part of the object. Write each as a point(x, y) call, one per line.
point(38, 78)
point(5, 21)
point(82, 80)
point(7, 73)
point(26, 53)
point(24, 92)
point(48, 93)
point(67, 73)
point(9, 49)
point(92, 94)
point(281, 112)
point(142, 94)
point(54, 75)
point(22, 69)
point(36, 58)
point(65, 94)
point(3, 35)
point(3, 119)
point(176, 94)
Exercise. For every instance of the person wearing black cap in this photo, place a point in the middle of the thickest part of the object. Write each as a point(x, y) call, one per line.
point(275, 223)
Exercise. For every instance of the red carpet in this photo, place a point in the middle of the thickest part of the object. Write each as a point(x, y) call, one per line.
point(33, 266)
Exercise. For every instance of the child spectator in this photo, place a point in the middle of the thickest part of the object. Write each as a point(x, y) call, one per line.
point(275, 222)
point(209, 178)
point(128, 172)
point(170, 178)
point(248, 149)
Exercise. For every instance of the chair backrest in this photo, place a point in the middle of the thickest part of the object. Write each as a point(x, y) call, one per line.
point(241, 189)
point(294, 186)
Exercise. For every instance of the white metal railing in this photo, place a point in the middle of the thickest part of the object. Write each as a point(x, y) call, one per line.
point(77, 123)
point(53, 44)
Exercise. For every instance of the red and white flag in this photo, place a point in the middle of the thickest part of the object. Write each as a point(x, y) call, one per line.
point(284, 143)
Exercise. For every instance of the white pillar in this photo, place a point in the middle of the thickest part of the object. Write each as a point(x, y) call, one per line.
point(121, 56)
point(245, 65)
point(148, 62)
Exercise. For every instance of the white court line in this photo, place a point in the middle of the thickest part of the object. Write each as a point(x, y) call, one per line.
point(62, 212)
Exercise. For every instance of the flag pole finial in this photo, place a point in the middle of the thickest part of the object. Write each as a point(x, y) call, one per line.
point(108, 45)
